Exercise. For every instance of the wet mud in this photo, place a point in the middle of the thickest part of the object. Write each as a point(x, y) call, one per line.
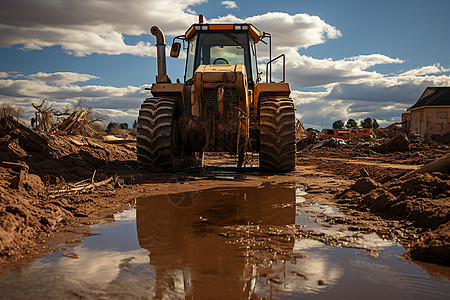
point(261, 242)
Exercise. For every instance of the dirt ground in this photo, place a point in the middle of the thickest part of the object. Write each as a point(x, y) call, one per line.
point(52, 190)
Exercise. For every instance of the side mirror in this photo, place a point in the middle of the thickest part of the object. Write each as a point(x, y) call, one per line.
point(175, 50)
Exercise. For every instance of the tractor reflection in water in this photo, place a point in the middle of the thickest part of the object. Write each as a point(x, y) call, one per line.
point(194, 258)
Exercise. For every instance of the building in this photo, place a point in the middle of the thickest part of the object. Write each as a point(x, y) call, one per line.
point(430, 114)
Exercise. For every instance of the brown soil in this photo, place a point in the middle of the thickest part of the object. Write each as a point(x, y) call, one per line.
point(375, 190)
point(414, 206)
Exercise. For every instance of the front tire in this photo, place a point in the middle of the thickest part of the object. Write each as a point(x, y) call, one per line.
point(154, 132)
point(277, 134)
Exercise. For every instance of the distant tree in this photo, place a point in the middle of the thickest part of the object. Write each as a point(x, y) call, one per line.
point(339, 124)
point(135, 124)
point(367, 123)
point(112, 125)
point(351, 124)
point(123, 125)
point(375, 124)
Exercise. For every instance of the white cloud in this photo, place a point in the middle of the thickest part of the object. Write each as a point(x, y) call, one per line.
point(402, 89)
point(383, 97)
point(229, 4)
point(304, 71)
point(289, 31)
point(313, 109)
point(84, 27)
point(62, 78)
point(317, 111)
point(426, 70)
point(78, 42)
point(118, 103)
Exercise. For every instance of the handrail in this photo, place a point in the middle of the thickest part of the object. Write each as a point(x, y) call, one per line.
point(270, 62)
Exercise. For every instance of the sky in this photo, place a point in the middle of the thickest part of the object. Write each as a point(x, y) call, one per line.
point(344, 58)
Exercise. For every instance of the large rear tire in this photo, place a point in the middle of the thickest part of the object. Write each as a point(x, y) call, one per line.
point(155, 132)
point(277, 134)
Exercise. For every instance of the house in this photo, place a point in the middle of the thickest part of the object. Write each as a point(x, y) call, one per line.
point(430, 115)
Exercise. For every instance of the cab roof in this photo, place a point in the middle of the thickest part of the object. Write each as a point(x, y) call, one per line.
point(238, 27)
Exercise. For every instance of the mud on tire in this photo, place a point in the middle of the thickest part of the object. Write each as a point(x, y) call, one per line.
point(154, 132)
point(277, 134)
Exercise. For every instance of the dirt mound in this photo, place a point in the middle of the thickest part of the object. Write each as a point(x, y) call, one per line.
point(433, 246)
point(50, 155)
point(30, 211)
point(22, 137)
point(423, 199)
point(24, 210)
point(399, 143)
point(32, 165)
point(386, 185)
point(365, 185)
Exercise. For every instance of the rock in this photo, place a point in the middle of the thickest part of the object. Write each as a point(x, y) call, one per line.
point(48, 221)
point(365, 185)
point(28, 182)
point(70, 254)
point(398, 143)
point(321, 282)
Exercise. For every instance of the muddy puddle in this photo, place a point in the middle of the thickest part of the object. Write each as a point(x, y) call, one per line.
point(227, 243)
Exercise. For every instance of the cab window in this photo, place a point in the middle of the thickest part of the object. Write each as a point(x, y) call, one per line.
point(190, 60)
point(253, 61)
point(221, 55)
point(228, 47)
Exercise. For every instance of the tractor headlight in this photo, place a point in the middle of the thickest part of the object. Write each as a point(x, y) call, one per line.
point(237, 27)
point(201, 27)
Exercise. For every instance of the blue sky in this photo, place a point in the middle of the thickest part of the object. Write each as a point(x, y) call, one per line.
point(345, 59)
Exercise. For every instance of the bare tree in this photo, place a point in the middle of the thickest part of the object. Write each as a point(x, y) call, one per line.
point(43, 117)
point(14, 111)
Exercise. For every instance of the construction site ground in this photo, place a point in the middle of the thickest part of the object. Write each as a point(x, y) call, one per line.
point(51, 194)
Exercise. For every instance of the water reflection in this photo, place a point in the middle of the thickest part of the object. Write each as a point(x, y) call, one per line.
point(182, 234)
point(225, 243)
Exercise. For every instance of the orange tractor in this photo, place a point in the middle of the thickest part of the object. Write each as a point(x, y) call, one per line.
point(221, 106)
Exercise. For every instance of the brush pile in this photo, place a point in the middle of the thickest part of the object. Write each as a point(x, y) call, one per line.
point(75, 121)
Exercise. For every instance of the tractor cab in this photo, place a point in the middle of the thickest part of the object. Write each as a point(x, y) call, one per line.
point(220, 44)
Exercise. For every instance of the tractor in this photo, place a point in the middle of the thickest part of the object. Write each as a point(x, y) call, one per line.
point(222, 106)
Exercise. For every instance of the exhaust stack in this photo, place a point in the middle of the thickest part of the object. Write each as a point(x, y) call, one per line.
point(160, 55)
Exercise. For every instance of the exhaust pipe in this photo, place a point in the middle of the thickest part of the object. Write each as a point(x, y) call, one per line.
point(160, 55)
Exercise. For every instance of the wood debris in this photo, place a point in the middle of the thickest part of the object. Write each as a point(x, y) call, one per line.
point(73, 121)
point(87, 185)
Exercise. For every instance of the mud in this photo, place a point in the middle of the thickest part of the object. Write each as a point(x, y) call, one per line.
point(421, 199)
point(373, 188)
point(228, 242)
point(415, 205)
